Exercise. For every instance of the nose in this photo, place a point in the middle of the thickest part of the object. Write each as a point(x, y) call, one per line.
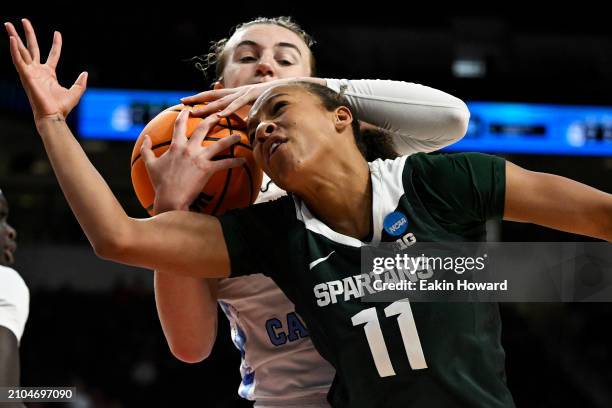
point(264, 130)
point(265, 68)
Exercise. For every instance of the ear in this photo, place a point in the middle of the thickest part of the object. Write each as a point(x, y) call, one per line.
point(343, 118)
point(218, 85)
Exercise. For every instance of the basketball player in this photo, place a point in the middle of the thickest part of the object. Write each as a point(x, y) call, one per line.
point(306, 139)
point(14, 302)
point(279, 363)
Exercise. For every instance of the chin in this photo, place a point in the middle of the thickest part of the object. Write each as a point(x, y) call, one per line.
point(288, 176)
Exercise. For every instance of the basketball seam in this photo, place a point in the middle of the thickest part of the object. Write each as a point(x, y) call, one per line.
point(248, 173)
point(229, 174)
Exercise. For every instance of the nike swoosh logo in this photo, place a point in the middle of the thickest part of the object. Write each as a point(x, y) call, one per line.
point(318, 261)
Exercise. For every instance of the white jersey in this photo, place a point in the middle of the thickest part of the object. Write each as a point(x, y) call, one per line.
point(280, 366)
point(14, 301)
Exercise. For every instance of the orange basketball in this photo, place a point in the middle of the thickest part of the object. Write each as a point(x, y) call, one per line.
point(226, 189)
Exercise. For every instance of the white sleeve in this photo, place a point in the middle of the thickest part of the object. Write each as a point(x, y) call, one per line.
point(14, 301)
point(420, 119)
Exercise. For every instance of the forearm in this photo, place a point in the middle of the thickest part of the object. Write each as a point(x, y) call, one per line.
point(557, 202)
point(418, 117)
point(187, 310)
point(90, 198)
point(186, 306)
point(182, 242)
point(9, 358)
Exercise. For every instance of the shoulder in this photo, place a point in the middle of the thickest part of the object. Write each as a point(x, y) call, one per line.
point(388, 167)
point(14, 301)
point(444, 168)
point(12, 285)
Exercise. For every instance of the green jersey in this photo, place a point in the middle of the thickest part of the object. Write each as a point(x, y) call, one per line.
point(398, 353)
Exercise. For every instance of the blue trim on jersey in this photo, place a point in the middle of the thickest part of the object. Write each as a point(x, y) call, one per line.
point(225, 308)
point(239, 339)
point(249, 378)
point(245, 388)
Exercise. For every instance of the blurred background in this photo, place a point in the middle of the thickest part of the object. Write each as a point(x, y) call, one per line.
point(93, 324)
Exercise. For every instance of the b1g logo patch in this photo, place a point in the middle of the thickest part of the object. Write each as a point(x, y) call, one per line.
point(395, 223)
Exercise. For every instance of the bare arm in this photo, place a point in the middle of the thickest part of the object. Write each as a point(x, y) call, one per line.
point(557, 202)
point(186, 306)
point(9, 362)
point(9, 358)
point(183, 243)
point(187, 310)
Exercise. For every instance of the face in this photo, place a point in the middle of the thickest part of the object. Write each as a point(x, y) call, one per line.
point(7, 235)
point(262, 53)
point(293, 134)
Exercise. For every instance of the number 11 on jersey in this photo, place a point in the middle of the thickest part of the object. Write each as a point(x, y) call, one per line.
point(376, 341)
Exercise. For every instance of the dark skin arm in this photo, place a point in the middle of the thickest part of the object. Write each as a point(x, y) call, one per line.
point(9, 363)
point(9, 358)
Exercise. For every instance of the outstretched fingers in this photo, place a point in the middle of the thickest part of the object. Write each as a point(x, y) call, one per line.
point(31, 40)
point(56, 50)
point(16, 55)
point(79, 86)
point(22, 52)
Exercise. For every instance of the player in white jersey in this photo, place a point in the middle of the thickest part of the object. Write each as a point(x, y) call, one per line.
point(14, 302)
point(280, 366)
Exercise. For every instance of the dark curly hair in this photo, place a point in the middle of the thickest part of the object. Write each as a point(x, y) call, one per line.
point(216, 56)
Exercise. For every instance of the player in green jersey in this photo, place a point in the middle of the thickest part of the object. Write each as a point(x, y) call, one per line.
point(307, 139)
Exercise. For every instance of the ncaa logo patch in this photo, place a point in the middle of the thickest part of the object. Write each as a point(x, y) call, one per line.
point(395, 223)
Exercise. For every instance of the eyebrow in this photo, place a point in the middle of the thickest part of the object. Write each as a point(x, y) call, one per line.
point(280, 44)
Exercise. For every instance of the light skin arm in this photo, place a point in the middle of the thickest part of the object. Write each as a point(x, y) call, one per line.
point(182, 242)
point(187, 310)
point(186, 307)
point(557, 202)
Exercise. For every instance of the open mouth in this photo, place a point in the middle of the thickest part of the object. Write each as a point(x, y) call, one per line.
point(274, 147)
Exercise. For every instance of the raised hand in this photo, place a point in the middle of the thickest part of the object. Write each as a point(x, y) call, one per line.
point(180, 174)
point(47, 97)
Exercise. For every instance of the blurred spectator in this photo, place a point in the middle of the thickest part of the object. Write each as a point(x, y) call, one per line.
point(14, 302)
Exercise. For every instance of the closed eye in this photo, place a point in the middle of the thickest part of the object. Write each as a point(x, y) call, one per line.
point(247, 59)
point(278, 106)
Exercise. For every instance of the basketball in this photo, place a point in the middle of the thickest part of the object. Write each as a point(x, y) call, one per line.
point(226, 189)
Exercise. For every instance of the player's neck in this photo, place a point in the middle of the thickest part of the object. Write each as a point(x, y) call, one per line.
point(342, 198)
